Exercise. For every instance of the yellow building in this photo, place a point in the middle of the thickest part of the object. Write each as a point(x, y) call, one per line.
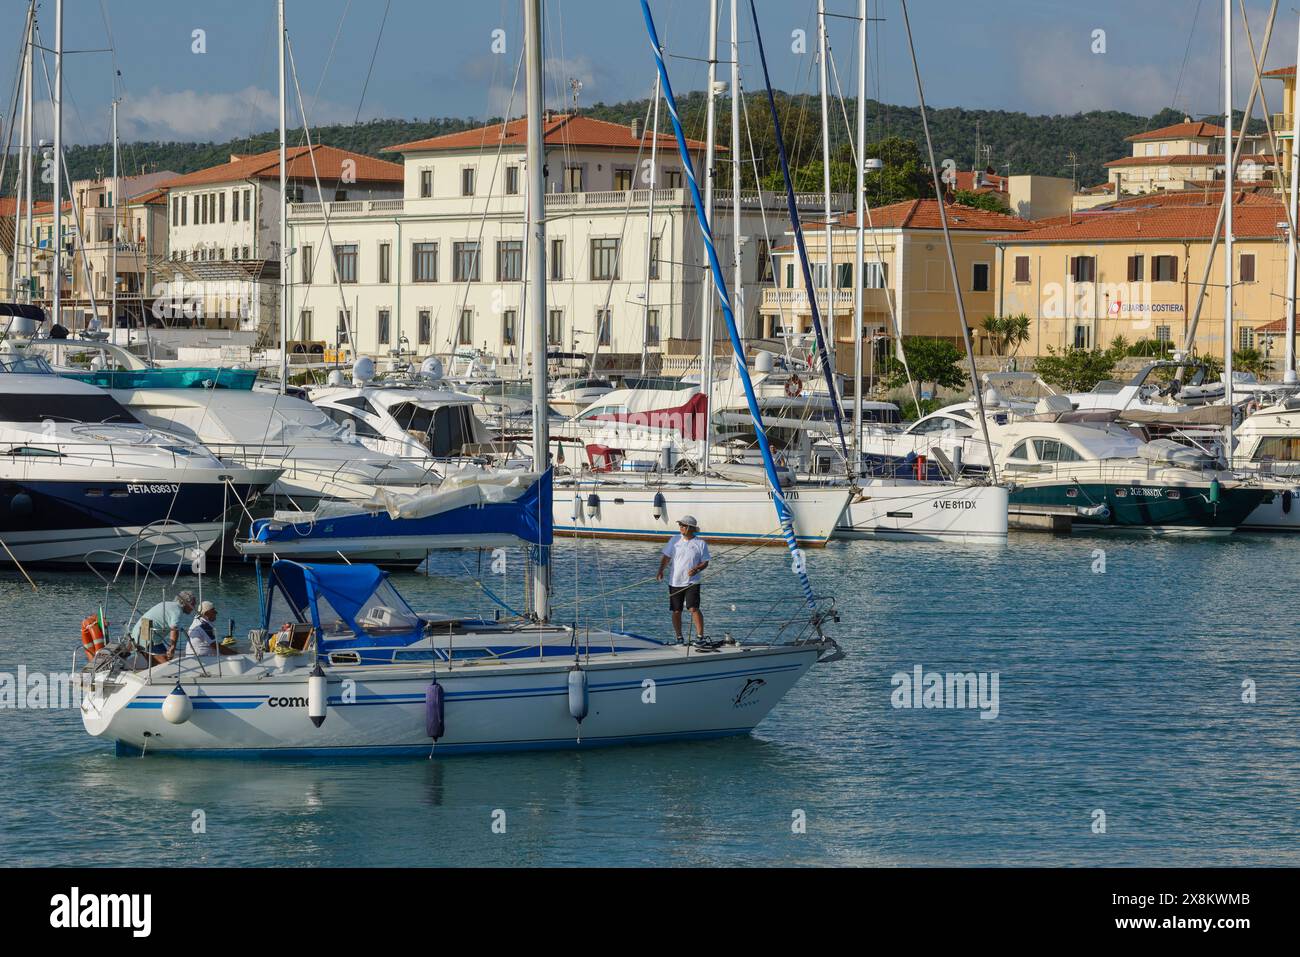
point(1134, 271)
point(905, 265)
point(1184, 155)
point(1283, 123)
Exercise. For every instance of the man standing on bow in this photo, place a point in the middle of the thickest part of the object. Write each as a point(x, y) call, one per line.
point(689, 555)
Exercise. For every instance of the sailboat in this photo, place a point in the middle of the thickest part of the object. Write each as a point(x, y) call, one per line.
point(355, 671)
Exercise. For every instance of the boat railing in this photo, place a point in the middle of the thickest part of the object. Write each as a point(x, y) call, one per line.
point(87, 453)
point(786, 621)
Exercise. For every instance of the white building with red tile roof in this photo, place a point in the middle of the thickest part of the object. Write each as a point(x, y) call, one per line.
point(1185, 154)
point(441, 268)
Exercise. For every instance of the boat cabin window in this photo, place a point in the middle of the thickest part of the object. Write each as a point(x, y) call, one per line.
point(1053, 450)
point(1278, 448)
point(604, 410)
point(353, 423)
point(27, 407)
point(449, 427)
point(25, 365)
point(940, 423)
point(359, 402)
point(1021, 452)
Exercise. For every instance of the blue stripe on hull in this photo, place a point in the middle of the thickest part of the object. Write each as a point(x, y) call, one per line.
point(123, 749)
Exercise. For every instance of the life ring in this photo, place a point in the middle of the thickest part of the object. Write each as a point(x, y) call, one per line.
point(793, 386)
point(92, 636)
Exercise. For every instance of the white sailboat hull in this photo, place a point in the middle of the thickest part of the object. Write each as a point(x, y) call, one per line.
point(1275, 516)
point(671, 693)
point(160, 546)
point(725, 512)
point(925, 511)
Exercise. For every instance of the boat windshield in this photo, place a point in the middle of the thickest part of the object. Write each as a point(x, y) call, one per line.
point(32, 407)
point(25, 365)
point(449, 427)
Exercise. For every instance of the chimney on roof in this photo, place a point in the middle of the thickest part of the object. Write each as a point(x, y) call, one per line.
point(636, 128)
point(1187, 119)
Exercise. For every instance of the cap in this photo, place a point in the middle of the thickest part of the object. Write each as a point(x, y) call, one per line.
point(688, 520)
point(185, 598)
point(206, 607)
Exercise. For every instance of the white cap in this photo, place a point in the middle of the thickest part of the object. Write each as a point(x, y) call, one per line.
point(688, 520)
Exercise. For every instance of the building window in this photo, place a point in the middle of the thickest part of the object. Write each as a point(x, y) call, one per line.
point(246, 253)
point(557, 259)
point(1081, 337)
point(426, 326)
point(765, 267)
point(602, 327)
point(465, 328)
point(340, 195)
point(604, 258)
point(295, 194)
point(789, 275)
point(510, 260)
point(385, 262)
point(234, 252)
point(234, 207)
point(307, 264)
point(555, 327)
point(426, 183)
point(652, 327)
point(874, 275)
point(248, 205)
point(1163, 334)
point(465, 262)
point(673, 178)
point(198, 209)
point(1022, 269)
point(1246, 267)
point(304, 324)
point(345, 263)
point(221, 206)
point(654, 257)
point(1164, 268)
point(844, 275)
point(345, 323)
point(512, 180)
point(385, 332)
point(1136, 268)
point(1083, 268)
point(573, 179)
point(185, 210)
point(979, 280)
point(622, 178)
point(176, 210)
point(508, 327)
point(467, 181)
point(424, 262)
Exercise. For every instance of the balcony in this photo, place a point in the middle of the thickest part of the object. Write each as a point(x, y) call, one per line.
point(778, 300)
point(1281, 124)
point(346, 209)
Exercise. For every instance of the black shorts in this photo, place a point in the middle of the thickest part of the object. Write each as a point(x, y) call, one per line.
point(687, 596)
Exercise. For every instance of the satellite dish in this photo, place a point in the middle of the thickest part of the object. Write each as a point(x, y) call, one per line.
point(363, 370)
point(97, 363)
point(431, 369)
point(335, 378)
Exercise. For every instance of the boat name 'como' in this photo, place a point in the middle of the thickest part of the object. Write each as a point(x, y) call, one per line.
point(953, 503)
point(153, 489)
point(287, 702)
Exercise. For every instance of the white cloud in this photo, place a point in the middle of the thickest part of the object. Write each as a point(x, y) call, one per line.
point(188, 115)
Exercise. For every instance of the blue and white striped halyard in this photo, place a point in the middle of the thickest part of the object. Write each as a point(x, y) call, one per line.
point(720, 283)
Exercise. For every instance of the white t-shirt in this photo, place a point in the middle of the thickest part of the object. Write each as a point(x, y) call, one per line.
point(201, 642)
point(685, 554)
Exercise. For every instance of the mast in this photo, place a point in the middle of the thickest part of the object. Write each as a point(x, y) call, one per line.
point(284, 220)
point(824, 42)
point(650, 228)
point(859, 237)
point(24, 156)
point(1289, 374)
point(738, 287)
point(27, 137)
point(1227, 225)
point(706, 314)
point(537, 287)
point(58, 161)
point(112, 270)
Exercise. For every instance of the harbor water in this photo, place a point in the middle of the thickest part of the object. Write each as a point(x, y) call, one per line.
point(1147, 710)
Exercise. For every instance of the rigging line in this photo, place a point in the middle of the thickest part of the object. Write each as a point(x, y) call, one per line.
point(329, 58)
point(1186, 54)
point(374, 54)
point(823, 353)
point(947, 239)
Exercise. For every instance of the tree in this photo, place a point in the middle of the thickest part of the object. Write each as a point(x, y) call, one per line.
point(930, 360)
point(1250, 360)
point(1007, 332)
point(1075, 370)
point(965, 197)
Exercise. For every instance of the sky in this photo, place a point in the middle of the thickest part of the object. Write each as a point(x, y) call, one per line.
point(445, 58)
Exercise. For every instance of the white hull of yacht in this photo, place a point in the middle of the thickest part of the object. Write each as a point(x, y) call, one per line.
point(160, 547)
point(925, 512)
point(1275, 516)
point(727, 513)
point(670, 693)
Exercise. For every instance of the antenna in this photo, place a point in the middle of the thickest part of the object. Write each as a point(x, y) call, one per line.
point(575, 87)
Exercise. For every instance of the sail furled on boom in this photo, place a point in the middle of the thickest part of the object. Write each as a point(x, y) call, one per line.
point(823, 354)
point(720, 284)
